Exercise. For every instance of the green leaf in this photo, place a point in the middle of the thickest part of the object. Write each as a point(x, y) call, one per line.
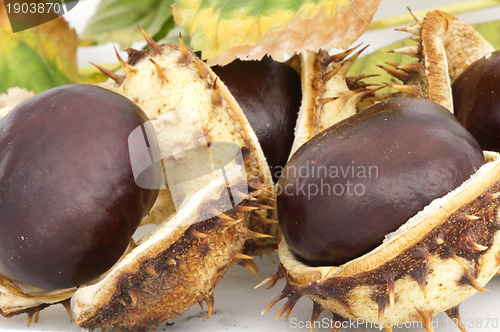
point(39, 58)
point(249, 29)
point(117, 20)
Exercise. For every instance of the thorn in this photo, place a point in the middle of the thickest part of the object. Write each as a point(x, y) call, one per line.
point(30, 319)
point(133, 297)
point(424, 253)
point(67, 305)
point(414, 29)
point(129, 70)
point(150, 270)
point(268, 221)
point(250, 265)
point(159, 70)
point(198, 234)
point(471, 281)
point(356, 82)
point(183, 47)
point(268, 189)
point(37, 316)
point(337, 57)
point(288, 306)
point(413, 67)
point(273, 279)
point(263, 206)
point(337, 322)
point(284, 293)
point(200, 303)
point(324, 101)
point(238, 255)
point(399, 74)
point(415, 16)
point(243, 196)
point(255, 235)
point(391, 288)
point(408, 89)
point(454, 314)
point(419, 273)
point(472, 243)
point(388, 329)
point(494, 196)
point(329, 271)
point(119, 79)
point(229, 223)
point(439, 239)
point(382, 305)
point(471, 217)
point(265, 281)
point(219, 214)
point(426, 316)
point(216, 98)
point(412, 50)
point(344, 65)
point(317, 310)
point(153, 46)
point(202, 71)
point(210, 305)
point(245, 208)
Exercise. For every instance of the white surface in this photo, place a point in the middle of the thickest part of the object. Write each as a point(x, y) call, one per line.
point(237, 304)
point(238, 307)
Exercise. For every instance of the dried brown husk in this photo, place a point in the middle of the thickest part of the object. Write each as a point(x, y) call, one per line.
point(179, 266)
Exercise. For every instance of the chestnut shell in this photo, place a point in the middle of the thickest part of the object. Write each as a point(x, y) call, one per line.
point(68, 199)
point(361, 179)
point(476, 100)
point(269, 93)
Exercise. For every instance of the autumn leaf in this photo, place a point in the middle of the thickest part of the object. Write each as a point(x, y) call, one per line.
point(117, 20)
point(39, 58)
point(249, 29)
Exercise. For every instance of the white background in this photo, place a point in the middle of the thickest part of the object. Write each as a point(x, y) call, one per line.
point(237, 304)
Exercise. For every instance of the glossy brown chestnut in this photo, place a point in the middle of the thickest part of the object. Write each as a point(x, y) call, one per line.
point(68, 199)
point(362, 178)
point(476, 100)
point(269, 93)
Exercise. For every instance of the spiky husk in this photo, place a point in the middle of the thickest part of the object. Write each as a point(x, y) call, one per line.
point(170, 79)
point(445, 47)
point(180, 266)
point(175, 267)
point(448, 251)
point(438, 259)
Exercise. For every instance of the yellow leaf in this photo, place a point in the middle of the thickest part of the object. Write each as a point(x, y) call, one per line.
point(38, 58)
point(249, 29)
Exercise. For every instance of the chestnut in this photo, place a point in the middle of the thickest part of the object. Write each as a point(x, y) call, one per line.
point(269, 93)
point(476, 100)
point(348, 187)
point(68, 198)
